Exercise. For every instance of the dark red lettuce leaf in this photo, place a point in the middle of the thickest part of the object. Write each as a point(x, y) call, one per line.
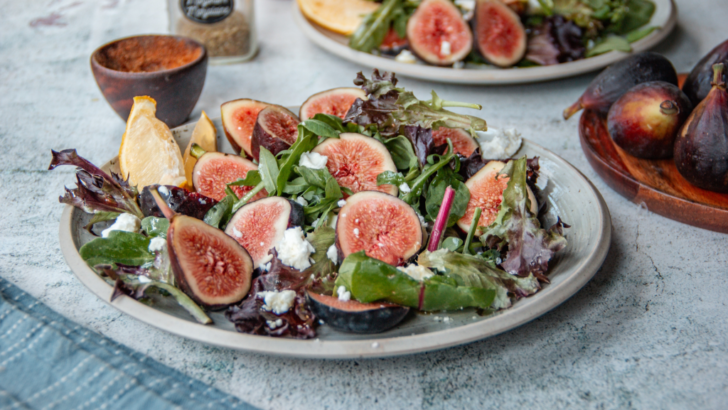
point(422, 142)
point(556, 40)
point(178, 199)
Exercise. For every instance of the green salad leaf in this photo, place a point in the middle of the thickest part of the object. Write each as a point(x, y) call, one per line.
point(126, 248)
point(154, 226)
point(370, 33)
point(447, 177)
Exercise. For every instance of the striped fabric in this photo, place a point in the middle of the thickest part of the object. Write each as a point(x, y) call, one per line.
point(49, 362)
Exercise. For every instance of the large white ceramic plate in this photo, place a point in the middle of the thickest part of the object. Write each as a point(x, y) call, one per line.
point(568, 194)
point(665, 17)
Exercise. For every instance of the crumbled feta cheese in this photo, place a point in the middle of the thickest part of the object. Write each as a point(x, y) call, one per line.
point(143, 279)
point(333, 254)
point(405, 188)
point(343, 294)
point(301, 200)
point(458, 65)
point(124, 222)
point(422, 220)
point(406, 57)
point(157, 244)
point(467, 5)
point(341, 203)
point(277, 302)
point(266, 267)
point(294, 250)
point(332, 221)
point(445, 48)
point(203, 202)
point(274, 323)
point(313, 160)
point(499, 144)
point(356, 231)
point(237, 233)
point(417, 272)
point(356, 220)
point(163, 190)
point(315, 222)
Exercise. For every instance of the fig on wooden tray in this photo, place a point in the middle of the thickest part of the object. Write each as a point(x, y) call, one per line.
point(355, 317)
point(646, 119)
point(336, 102)
point(462, 142)
point(499, 34)
point(209, 266)
point(701, 148)
point(259, 225)
point(214, 170)
point(356, 160)
point(699, 82)
point(618, 78)
point(381, 225)
point(438, 34)
point(238, 120)
point(275, 129)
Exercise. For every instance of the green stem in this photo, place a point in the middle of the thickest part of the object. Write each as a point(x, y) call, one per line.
point(244, 200)
point(718, 76)
point(471, 231)
point(197, 151)
point(461, 104)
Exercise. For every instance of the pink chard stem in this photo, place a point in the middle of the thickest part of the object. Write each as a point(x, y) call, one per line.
point(441, 221)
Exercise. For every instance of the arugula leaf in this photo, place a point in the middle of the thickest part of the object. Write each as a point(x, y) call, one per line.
point(268, 170)
point(321, 239)
point(391, 178)
point(305, 142)
point(154, 226)
point(611, 43)
point(452, 243)
point(639, 13)
point(126, 248)
point(252, 178)
point(295, 186)
point(417, 186)
point(331, 120)
point(372, 30)
point(219, 215)
point(402, 153)
point(436, 192)
point(321, 128)
point(314, 177)
point(100, 217)
point(639, 33)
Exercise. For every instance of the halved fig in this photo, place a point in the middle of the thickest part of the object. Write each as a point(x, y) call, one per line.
point(276, 129)
point(499, 33)
point(214, 170)
point(336, 102)
point(238, 120)
point(381, 225)
point(355, 160)
point(438, 34)
point(356, 317)
point(393, 43)
point(486, 191)
point(259, 225)
point(462, 142)
point(178, 199)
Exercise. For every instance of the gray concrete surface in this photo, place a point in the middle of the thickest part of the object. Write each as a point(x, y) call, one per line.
point(649, 331)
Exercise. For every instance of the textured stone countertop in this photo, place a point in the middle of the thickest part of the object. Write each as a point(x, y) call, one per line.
point(649, 331)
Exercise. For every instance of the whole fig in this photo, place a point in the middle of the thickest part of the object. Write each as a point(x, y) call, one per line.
point(699, 82)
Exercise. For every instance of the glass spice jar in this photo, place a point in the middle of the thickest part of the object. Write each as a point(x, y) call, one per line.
point(225, 27)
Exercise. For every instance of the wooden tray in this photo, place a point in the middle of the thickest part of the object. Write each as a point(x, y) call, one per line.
point(655, 184)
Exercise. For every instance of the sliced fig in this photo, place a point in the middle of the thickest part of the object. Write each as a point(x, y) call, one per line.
point(336, 102)
point(259, 225)
point(699, 82)
point(438, 34)
point(178, 199)
point(356, 317)
point(392, 43)
point(214, 170)
point(499, 33)
point(355, 160)
point(275, 129)
point(615, 80)
point(381, 225)
point(486, 191)
point(462, 142)
point(238, 120)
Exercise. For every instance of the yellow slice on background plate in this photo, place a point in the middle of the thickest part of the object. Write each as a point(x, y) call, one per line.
point(341, 16)
point(204, 135)
point(148, 153)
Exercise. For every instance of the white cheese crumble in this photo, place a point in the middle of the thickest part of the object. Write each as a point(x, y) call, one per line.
point(499, 144)
point(124, 222)
point(356, 231)
point(313, 160)
point(266, 267)
point(445, 48)
point(405, 188)
point(157, 244)
point(333, 254)
point(341, 203)
point(466, 5)
point(277, 302)
point(294, 250)
point(143, 279)
point(416, 272)
point(274, 323)
point(343, 294)
point(237, 233)
point(301, 200)
point(406, 57)
point(458, 65)
point(163, 190)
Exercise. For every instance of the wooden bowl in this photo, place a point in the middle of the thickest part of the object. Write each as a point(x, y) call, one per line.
point(176, 90)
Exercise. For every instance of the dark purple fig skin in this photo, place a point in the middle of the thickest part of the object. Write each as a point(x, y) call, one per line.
point(178, 199)
point(698, 83)
point(646, 120)
point(616, 79)
point(181, 272)
point(263, 137)
point(701, 148)
point(369, 321)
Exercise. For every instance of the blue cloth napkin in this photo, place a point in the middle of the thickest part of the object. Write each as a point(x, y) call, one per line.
point(49, 362)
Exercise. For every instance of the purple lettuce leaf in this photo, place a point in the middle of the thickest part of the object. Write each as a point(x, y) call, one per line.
point(422, 142)
point(556, 40)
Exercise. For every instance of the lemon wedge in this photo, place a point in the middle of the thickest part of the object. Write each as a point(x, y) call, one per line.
point(204, 135)
point(148, 153)
point(340, 16)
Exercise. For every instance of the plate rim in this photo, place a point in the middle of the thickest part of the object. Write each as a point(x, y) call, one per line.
point(338, 349)
point(486, 76)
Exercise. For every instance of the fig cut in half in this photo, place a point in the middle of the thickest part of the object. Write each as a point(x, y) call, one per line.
point(499, 33)
point(381, 225)
point(356, 317)
point(486, 191)
point(355, 160)
point(462, 142)
point(214, 170)
point(438, 34)
point(238, 120)
point(276, 129)
point(333, 102)
point(259, 225)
